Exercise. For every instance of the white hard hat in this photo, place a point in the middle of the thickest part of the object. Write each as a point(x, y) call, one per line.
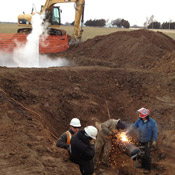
point(75, 122)
point(91, 131)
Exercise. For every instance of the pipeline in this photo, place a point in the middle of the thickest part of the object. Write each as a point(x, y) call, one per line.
point(130, 149)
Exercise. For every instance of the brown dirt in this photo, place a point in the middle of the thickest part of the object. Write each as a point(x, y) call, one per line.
point(119, 72)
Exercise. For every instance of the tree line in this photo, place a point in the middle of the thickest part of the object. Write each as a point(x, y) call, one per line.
point(102, 22)
point(150, 23)
point(158, 25)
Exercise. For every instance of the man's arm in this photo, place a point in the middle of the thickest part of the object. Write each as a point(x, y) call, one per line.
point(155, 132)
point(135, 125)
point(62, 141)
point(106, 127)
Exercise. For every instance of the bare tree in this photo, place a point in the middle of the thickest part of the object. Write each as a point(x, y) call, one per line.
point(170, 21)
point(149, 21)
point(117, 22)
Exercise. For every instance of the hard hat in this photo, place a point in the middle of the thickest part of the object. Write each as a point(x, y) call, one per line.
point(91, 131)
point(75, 122)
point(143, 112)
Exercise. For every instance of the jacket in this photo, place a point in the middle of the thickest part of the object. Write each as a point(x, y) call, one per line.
point(147, 130)
point(64, 140)
point(108, 128)
point(80, 148)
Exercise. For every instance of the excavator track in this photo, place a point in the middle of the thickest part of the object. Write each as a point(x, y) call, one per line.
point(25, 30)
point(51, 31)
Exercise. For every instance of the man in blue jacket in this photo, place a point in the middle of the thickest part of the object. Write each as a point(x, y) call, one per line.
point(148, 132)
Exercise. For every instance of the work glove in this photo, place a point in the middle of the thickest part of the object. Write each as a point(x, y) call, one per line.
point(154, 144)
point(92, 142)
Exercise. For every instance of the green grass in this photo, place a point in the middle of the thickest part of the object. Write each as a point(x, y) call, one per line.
point(8, 28)
point(89, 32)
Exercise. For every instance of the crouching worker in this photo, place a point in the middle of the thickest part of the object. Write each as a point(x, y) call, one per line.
point(103, 145)
point(82, 149)
point(64, 140)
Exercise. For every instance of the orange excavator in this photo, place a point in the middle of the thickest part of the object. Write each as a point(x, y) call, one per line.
point(57, 40)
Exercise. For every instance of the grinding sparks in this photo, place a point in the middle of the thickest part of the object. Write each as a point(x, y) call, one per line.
point(123, 137)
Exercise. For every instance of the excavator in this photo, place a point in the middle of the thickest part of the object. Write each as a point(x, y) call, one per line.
point(57, 40)
point(53, 17)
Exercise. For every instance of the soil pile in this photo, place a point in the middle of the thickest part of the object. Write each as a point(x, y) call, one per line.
point(112, 77)
point(136, 49)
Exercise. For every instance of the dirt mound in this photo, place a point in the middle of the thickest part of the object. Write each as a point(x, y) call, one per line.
point(134, 49)
point(166, 64)
point(112, 77)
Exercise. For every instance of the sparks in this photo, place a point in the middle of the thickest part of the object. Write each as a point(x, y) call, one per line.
point(123, 137)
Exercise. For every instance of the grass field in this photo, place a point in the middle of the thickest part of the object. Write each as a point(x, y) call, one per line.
point(89, 32)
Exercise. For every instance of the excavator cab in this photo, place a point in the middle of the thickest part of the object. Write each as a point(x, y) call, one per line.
point(55, 18)
point(52, 16)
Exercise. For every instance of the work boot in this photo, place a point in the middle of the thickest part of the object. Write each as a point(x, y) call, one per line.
point(145, 171)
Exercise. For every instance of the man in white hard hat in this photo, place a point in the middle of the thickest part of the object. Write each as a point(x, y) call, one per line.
point(64, 140)
point(82, 150)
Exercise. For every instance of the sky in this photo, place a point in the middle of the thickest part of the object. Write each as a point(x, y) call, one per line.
point(134, 11)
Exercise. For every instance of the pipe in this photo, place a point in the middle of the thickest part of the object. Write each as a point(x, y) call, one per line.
point(130, 149)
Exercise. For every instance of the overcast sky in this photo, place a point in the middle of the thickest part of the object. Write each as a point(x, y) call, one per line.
point(134, 11)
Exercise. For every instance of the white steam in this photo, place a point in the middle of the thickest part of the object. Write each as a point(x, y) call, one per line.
point(27, 55)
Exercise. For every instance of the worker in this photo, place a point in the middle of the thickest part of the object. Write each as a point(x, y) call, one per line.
point(82, 149)
point(103, 144)
point(147, 130)
point(64, 140)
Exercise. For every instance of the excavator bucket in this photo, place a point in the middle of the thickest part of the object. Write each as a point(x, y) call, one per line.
point(52, 44)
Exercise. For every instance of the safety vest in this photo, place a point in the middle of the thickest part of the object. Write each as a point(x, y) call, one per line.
point(69, 136)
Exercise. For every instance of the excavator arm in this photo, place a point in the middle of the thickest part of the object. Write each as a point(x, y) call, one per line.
point(79, 14)
point(79, 18)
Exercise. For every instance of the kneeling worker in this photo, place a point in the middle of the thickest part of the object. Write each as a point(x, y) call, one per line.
point(82, 149)
point(64, 140)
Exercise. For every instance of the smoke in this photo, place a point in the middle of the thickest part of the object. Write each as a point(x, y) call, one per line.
point(6, 59)
point(45, 61)
point(27, 55)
